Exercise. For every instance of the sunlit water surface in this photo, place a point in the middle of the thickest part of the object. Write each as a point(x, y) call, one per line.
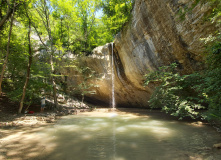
point(112, 136)
point(116, 136)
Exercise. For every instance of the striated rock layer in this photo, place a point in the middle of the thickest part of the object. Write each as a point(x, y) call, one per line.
point(155, 36)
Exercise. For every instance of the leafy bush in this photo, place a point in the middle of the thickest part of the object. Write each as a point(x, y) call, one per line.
point(176, 94)
point(212, 75)
point(212, 79)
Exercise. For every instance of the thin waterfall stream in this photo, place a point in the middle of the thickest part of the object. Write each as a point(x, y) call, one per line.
point(112, 76)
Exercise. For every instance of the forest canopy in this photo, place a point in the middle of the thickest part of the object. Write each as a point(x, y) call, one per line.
point(38, 35)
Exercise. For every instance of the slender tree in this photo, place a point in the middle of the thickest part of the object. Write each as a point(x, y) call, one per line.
point(29, 63)
point(44, 13)
point(11, 7)
point(8, 51)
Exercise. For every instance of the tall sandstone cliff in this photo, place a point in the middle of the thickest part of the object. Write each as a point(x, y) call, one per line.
point(155, 36)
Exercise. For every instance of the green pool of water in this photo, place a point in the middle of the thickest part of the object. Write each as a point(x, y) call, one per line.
point(129, 136)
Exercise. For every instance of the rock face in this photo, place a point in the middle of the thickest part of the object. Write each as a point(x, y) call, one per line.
point(155, 36)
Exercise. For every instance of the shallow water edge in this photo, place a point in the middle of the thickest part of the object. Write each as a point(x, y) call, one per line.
point(123, 134)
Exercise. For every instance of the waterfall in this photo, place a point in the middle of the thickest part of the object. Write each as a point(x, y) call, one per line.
point(112, 75)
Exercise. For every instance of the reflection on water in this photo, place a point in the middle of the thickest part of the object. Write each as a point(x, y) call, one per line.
point(114, 136)
point(109, 136)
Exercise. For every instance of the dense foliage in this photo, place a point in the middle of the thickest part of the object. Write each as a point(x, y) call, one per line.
point(117, 13)
point(37, 36)
point(183, 95)
point(176, 94)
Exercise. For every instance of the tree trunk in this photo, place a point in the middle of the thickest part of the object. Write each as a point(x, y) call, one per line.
point(53, 82)
point(10, 11)
point(6, 17)
point(46, 22)
point(48, 28)
point(55, 94)
point(7, 54)
point(28, 69)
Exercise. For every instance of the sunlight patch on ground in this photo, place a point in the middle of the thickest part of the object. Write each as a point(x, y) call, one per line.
point(23, 144)
point(13, 136)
